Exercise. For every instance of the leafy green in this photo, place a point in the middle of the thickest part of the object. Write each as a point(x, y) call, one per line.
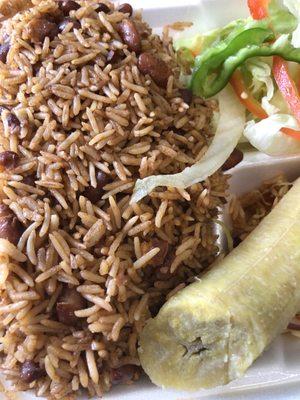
point(294, 8)
point(200, 42)
point(281, 19)
point(262, 83)
point(266, 135)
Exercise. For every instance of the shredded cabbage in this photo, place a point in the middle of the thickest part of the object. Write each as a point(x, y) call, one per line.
point(229, 130)
point(294, 7)
point(201, 41)
point(266, 136)
point(262, 80)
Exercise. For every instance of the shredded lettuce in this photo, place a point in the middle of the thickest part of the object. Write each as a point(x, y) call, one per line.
point(200, 42)
point(262, 82)
point(229, 130)
point(266, 135)
point(283, 20)
point(294, 7)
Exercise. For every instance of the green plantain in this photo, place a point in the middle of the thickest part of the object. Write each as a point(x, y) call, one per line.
point(210, 332)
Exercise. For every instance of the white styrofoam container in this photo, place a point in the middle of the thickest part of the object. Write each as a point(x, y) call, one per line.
point(276, 374)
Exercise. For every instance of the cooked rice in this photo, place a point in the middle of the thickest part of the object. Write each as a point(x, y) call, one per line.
point(80, 115)
point(248, 210)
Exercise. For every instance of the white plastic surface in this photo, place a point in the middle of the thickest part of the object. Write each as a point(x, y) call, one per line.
point(276, 375)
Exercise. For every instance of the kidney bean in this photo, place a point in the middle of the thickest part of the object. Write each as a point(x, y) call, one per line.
point(31, 371)
point(55, 16)
point(9, 159)
point(155, 67)
point(187, 95)
point(125, 8)
point(102, 7)
point(39, 28)
point(11, 228)
point(69, 302)
point(29, 180)
point(112, 56)
point(66, 21)
point(124, 374)
point(4, 49)
point(130, 35)
point(95, 194)
point(13, 124)
point(5, 211)
point(235, 158)
point(159, 258)
point(68, 5)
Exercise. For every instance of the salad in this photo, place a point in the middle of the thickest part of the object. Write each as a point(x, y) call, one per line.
point(259, 58)
point(252, 68)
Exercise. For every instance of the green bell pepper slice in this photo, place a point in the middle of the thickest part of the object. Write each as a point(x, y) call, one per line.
point(214, 67)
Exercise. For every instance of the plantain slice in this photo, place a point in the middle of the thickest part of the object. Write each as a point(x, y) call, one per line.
point(210, 332)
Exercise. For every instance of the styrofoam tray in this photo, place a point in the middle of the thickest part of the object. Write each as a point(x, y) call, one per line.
point(277, 373)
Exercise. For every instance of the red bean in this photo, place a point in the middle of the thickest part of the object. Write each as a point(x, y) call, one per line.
point(11, 228)
point(62, 25)
point(159, 258)
point(155, 67)
point(4, 49)
point(235, 158)
point(68, 5)
point(39, 28)
point(13, 124)
point(102, 8)
point(187, 95)
point(55, 16)
point(112, 56)
point(124, 374)
point(9, 159)
point(31, 371)
point(29, 180)
point(130, 35)
point(125, 8)
point(69, 302)
point(95, 194)
point(5, 211)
